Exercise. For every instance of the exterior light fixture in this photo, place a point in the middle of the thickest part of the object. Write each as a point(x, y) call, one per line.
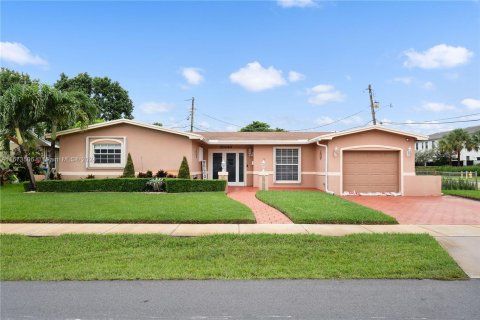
point(409, 152)
point(224, 165)
point(335, 152)
point(263, 165)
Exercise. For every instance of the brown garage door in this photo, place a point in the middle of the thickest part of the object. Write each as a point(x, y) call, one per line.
point(371, 171)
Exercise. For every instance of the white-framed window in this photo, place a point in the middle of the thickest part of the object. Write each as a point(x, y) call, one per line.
point(287, 161)
point(109, 153)
point(106, 152)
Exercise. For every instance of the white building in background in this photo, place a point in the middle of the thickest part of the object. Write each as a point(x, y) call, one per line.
point(466, 157)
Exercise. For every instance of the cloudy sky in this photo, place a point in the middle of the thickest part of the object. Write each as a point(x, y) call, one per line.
point(296, 64)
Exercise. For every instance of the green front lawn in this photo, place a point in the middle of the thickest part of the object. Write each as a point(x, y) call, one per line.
point(470, 194)
point(320, 207)
point(116, 207)
point(130, 257)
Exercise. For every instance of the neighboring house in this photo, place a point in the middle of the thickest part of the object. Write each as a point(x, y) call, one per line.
point(44, 147)
point(370, 159)
point(466, 157)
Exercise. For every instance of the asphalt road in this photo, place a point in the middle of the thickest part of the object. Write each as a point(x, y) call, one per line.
point(206, 300)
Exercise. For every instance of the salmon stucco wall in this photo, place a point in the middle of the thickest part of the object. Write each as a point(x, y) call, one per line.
point(423, 186)
point(308, 168)
point(150, 150)
point(369, 140)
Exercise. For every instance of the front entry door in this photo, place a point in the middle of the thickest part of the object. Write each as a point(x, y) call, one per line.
point(235, 166)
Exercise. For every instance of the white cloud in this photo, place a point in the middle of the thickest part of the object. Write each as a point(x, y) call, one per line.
point(153, 107)
point(294, 76)
point(452, 76)
point(254, 77)
point(324, 93)
point(437, 106)
point(439, 56)
point(192, 75)
point(428, 85)
point(405, 80)
point(17, 53)
point(323, 120)
point(231, 128)
point(204, 125)
point(472, 104)
point(352, 120)
point(296, 3)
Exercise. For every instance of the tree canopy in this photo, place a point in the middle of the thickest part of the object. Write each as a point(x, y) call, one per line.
point(457, 140)
point(111, 99)
point(10, 77)
point(258, 126)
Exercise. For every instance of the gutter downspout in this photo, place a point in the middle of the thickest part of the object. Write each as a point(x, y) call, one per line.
point(326, 167)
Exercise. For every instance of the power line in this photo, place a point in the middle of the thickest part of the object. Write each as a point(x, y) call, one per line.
point(464, 116)
point(197, 128)
point(431, 122)
point(330, 123)
point(219, 120)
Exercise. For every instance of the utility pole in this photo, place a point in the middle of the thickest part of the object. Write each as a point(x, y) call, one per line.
point(192, 112)
point(372, 105)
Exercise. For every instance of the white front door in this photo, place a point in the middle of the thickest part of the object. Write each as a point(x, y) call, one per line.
point(234, 163)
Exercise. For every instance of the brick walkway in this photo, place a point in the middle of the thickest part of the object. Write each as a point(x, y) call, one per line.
point(424, 210)
point(263, 212)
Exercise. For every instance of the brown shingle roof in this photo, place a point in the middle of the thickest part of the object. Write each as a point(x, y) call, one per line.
point(230, 136)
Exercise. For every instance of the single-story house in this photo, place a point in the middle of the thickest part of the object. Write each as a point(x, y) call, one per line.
point(365, 160)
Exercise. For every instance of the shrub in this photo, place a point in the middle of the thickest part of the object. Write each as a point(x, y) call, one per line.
point(458, 184)
point(91, 185)
point(90, 176)
point(157, 184)
point(189, 185)
point(129, 170)
point(161, 174)
point(475, 168)
point(147, 174)
point(184, 171)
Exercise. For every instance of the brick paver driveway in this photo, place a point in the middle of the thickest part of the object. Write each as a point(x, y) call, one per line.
point(424, 210)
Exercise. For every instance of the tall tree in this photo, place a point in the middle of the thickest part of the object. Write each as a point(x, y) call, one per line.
point(258, 126)
point(20, 109)
point(475, 141)
point(63, 109)
point(112, 100)
point(10, 77)
point(455, 141)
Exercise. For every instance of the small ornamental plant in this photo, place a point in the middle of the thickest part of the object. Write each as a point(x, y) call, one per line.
point(184, 171)
point(129, 170)
point(156, 184)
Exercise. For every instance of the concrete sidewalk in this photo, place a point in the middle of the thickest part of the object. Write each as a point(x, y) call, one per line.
point(188, 230)
point(461, 241)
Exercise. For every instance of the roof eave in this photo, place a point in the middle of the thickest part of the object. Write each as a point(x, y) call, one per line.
point(191, 136)
point(330, 136)
point(257, 142)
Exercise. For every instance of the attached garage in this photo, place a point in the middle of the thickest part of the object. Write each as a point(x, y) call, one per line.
point(371, 171)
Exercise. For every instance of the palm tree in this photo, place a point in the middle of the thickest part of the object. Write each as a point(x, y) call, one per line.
point(62, 110)
point(454, 142)
point(19, 112)
point(475, 141)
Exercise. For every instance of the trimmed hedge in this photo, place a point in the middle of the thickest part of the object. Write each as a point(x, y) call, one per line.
point(189, 185)
point(92, 185)
point(475, 168)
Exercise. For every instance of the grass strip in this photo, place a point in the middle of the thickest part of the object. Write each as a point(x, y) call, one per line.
point(321, 207)
point(130, 257)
